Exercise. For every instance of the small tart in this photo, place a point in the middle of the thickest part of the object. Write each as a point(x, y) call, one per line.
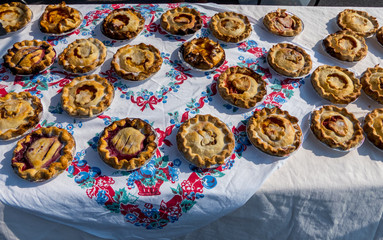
point(336, 127)
point(14, 16)
point(205, 141)
point(372, 82)
point(43, 154)
point(83, 55)
point(274, 132)
point(289, 60)
point(137, 62)
point(87, 96)
point(127, 144)
point(373, 127)
point(203, 53)
point(241, 86)
point(29, 57)
point(359, 22)
point(346, 46)
point(230, 26)
point(282, 23)
point(379, 35)
point(123, 23)
point(181, 21)
point(336, 84)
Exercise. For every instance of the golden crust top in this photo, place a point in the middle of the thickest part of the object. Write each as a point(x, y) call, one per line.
point(181, 21)
point(372, 81)
point(14, 16)
point(373, 127)
point(282, 23)
point(359, 22)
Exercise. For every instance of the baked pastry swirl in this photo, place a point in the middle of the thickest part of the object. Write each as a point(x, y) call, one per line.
point(282, 23)
point(359, 22)
point(181, 21)
point(372, 82)
point(373, 127)
point(14, 16)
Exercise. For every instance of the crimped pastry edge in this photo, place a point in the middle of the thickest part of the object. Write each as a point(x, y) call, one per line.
point(169, 28)
point(365, 79)
point(369, 129)
point(268, 23)
point(379, 35)
point(28, 16)
point(343, 26)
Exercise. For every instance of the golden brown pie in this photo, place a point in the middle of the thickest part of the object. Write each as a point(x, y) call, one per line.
point(372, 82)
point(373, 127)
point(181, 21)
point(379, 35)
point(359, 22)
point(14, 16)
point(283, 23)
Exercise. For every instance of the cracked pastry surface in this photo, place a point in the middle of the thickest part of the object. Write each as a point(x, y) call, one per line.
point(359, 22)
point(373, 127)
point(282, 23)
point(181, 21)
point(14, 16)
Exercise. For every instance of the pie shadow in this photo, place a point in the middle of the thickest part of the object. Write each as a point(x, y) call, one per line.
point(320, 149)
point(325, 58)
point(370, 150)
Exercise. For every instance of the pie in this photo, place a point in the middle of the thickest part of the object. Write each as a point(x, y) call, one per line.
point(83, 55)
point(123, 23)
point(346, 46)
point(373, 127)
point(19, 112)
point(29, 57)
point(230, 26)
point(137, 62)
point(372, 82)
point(181, 21)
point(203, 53)
point(336, 84)
point(127, 144)
point(289, 60)
point(283, 23)
point(274, 132)
point(87, 96)
point(379, 35)
point(336, 127)
point(359, 22)
point(241, 86)
point(14, 16)
point(43, 154)
point(205, 141)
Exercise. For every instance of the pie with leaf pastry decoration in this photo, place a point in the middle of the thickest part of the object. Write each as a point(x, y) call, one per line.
point(181, 21)
point(373, 127)
point(283, 23)
point(359, 22)
point(372, 82)
point(14, 16)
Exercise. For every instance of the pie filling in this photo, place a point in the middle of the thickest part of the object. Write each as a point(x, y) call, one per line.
point(84, 55)
point(284, 22)
point(240, 84)
point(274, 128)
point(336, 124)
point(337, 81)
point(184, 19)
point(13, 113)
point(119, 22)
point(56, 16)
point(10, 16)
point(208, 137)
point(232, 26)
point(29, 56)
point(138, 60)
point(348, 43)
point(85, 94)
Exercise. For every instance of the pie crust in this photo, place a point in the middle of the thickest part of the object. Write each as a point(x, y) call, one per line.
point(241, 86)
point(372, 82)
point(137, 62)
point(359, 22)
point(283, 23)
point(379, 35)
point(127, 144)
point(43, 154)
point(87, 96)
point(373, 127)
point(181, 21)
point(336, 84)
point(205, 141)
point(14, 16)
point(83, 55)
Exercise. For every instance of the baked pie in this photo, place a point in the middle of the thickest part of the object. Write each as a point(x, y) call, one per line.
point(336, 127)
point(181, 21)
point(203, 53)
point(230, 26)
point(87, 96)
point(123, 23)
point(127, 144)
point(14, 16)
point(283, 23)
point(205, 141)
point(359, 22)
point(289, 60)
point(379, 35)
point(346, 46)
point(137, 62)
point(274, 132)
point(373, 127)
point(43, 154)
point(83, 55)
point(19, 112)
point(372, 82)
point(336, 84)
point(29, 57)
point(241, 86)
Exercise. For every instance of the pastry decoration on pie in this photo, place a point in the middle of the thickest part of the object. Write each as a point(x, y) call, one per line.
point(346, 46)
point(241, 86)
point(336, 84)
point(379, 35)
point(83, 55)
point(43, 154)
point(87, 96)
point(137, 62)
point(14, 16)
point(29, 57)
point(336, 127)
point(203, 53)
point(230, 26)
point(372, 82)
point(373, 127)
point(359, 22)
point(205, 141)
point(127, 144)
point(123, 23)
point(181, 21)
point(289, 60)
point(282, 23)
point(274, 132)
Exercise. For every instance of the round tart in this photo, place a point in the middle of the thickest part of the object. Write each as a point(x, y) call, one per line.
point(360, 22)
point(230, 26)
point(282, 23)
point(274, 132)
point(336, 127)
point(379, 35)
point(87, 96)
point(205, 141)
point(29, 57)
point(123, 23)
point(127, 144)
point(373, 127)
point(336, 84)
point(181, 21)
point(289, 60)
point(14, 16)
point(372, 82)
point(43, 154)
point(241, 86)
point(83, 55)
point(137, 62)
